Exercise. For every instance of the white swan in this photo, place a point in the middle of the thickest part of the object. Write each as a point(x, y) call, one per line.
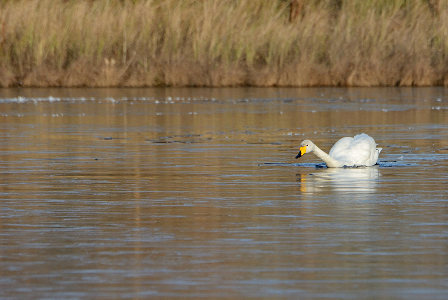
point(355, 151)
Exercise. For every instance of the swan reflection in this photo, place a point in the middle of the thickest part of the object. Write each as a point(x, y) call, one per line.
point(356, 180)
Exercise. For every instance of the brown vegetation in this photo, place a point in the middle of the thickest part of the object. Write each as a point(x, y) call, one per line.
point(223, 43)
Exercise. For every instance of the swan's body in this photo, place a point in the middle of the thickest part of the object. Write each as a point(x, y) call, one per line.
point(355, 151)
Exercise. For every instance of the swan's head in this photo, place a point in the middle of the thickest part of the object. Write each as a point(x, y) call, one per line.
point(306, 146)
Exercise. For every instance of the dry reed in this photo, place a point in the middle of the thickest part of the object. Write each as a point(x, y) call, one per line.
point(223, 43)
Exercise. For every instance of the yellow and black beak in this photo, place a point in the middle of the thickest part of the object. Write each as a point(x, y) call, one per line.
point(302, 151)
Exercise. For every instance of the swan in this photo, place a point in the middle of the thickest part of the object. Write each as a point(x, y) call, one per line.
point(356, 151)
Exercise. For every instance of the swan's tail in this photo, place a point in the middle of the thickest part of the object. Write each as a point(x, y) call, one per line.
point(377, 154)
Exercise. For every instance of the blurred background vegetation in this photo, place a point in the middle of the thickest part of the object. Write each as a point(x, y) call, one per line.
point(223, 42)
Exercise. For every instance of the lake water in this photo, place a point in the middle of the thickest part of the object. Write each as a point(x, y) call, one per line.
point(195, 193)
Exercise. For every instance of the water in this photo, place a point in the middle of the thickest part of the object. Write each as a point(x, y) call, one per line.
point(174, 193)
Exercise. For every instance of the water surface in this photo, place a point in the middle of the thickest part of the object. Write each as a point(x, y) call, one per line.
point(174, 193)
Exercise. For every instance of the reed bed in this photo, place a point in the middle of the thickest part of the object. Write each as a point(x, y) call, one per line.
point(97, 43)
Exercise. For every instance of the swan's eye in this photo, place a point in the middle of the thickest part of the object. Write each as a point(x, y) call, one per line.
point(307, 145)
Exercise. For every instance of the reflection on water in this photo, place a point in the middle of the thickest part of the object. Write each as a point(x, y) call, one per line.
point(174, 193)
point(348, 181)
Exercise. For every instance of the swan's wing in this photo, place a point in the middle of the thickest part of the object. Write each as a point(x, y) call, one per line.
point(340, 150)
point(357, 151)
point(340, 146)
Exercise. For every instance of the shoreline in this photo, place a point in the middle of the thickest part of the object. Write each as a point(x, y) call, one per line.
point(357, 43)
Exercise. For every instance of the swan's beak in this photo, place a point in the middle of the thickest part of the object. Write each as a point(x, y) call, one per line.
point(302, 151)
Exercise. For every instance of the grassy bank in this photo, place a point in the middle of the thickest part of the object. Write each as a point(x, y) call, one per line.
point(222, 43)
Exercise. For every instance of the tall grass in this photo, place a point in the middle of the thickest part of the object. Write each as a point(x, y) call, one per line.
point(222, 43)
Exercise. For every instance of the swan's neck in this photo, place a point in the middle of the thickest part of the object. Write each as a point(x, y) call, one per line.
point(331, 162)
